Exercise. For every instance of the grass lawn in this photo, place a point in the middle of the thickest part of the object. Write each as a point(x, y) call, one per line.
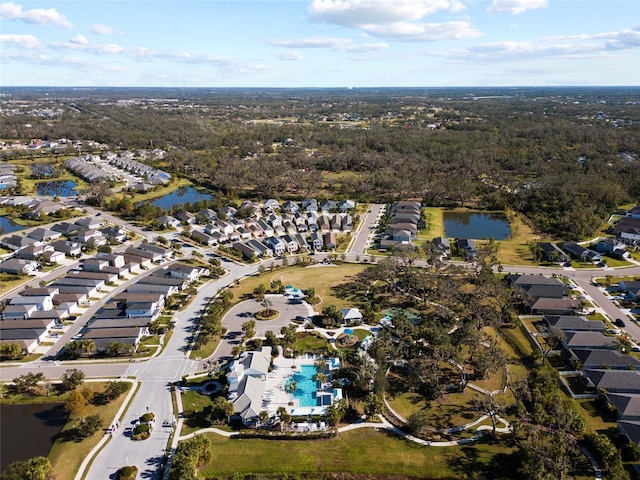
point(515, 250)
point(519, 339)
point(597, 419)
point(435, 224)
point(196, 407)
point(361, 333)
point(364, 451)
point(207, 349)
point(310, 343)
point(323, 278)
point(9, 281)
point(66, 454)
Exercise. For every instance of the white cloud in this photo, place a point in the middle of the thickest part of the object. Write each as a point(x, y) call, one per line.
point(38, 16)
point(79, 39)
point(333, 43)
point(629, 38)
point(424, 32)
point(100, 29)
point(81, 43)
point(290, 56)
point(357, 13)
point(394, 19)
point(515, 7)
point(28, 42)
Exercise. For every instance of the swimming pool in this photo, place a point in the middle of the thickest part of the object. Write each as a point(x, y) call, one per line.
point(307, 386)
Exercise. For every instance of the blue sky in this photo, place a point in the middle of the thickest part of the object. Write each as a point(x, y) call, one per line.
point(319, 43)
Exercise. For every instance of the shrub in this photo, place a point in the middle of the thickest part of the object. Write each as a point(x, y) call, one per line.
point(147, 417)
point(128, 473)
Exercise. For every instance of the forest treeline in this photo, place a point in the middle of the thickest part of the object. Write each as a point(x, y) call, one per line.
point(566, 160)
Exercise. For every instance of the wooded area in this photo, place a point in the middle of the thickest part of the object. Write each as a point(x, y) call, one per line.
point(566, 158)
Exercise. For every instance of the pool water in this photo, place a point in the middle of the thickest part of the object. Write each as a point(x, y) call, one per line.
point(307, 386)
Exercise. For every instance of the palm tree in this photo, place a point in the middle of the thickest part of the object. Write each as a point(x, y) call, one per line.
point(290, 388)
point(267, 304)
point(285, 417)
point(263, 416)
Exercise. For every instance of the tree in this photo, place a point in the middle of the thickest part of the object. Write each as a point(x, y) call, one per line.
point(115, 389)
point(72, 378)
point(291, 387)
point(249, 329)
point(26, 383)
point(336, 411)
point(10, 350)
point(271, 339)
point(263, 416)
point(89, 426)
point(36, 468)
point(284, 416)
point(373, 405)
point(116, 349)
point(237, 350)
point(221, 409)
point(417, 422)
point(77, 401)
point(553, 340)
point(267, 304)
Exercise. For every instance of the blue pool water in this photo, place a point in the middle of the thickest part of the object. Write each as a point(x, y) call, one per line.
point(307, 386)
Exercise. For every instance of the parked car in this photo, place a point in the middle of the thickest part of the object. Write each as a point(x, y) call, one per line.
point(620, 323)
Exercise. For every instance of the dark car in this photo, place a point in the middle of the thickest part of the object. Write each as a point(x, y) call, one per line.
point(619, 322)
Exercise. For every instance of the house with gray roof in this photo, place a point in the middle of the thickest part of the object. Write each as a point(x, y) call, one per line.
point(43, 234)
point(615, 381)
point(606, 359)
point(589, 340)
point(574, 323)
point(627, 405)
point(246, 377)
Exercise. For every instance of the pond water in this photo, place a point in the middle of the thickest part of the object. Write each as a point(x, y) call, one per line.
point(7, 225)
point(476, 225)
point(58, 188)
point(179, 196)
point(27, 431)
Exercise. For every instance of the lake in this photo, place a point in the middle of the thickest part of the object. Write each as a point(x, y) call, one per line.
point(7, 225)
point(58, 188)
point(476, 225)
point(179, 196)
point(29, 430)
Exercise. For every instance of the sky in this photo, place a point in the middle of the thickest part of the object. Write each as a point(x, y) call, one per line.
point(319, 43)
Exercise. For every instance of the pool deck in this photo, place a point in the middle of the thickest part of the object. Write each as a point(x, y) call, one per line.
point(275, 396)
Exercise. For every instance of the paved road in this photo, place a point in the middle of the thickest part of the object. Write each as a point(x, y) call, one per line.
point(366, 229)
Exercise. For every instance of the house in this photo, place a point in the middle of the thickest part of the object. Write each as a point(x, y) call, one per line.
point(186, 272)
point(211, 228)
point(95, 264)
point(615, 381)
point(27, 345)
point(16, 242)
point(290, 243)
point(328, 206)
point(346, 205)
point(114, 234)
point(18, 312)
point(527, 280)
point(88, 282)
point(166, 290)
point(552, 253)
point(45, 207)
point(466, 247)
point(351, 316)
point(302, 242)
point(67, 228)
point(107, 277)
point(102, 337)
point(605, 359)
point(589, 340)
point(247, 251)
point(627, 405)
point(574, 323)
point(168, 221)
point(330, 241)
point(90, 223)
point(208, 215)
point(41, 302)
point(271, 205)
point(94, 237)
point(290, 206)
point(186, 217)
point(33, 252)
point(632, 289)
point(114, 260)
point(228, 211)
point(225, 227)
point(260, 247)
point(203, 238)
point(316, 241)
point(37, 334)
point(143, 254)
point(581, 253)
point(630, 429)
point(158, 278)
point(156, 249)
point(310, 205)
point(70, 249)
point(276, 245)
point(442, 246)
point(18, 266)
point(246, 378)
point(545, 291)
point(556, 306)
point(43, 234)
point(274, 220)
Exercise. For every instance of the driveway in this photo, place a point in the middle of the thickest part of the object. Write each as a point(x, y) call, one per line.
point(246, 310)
